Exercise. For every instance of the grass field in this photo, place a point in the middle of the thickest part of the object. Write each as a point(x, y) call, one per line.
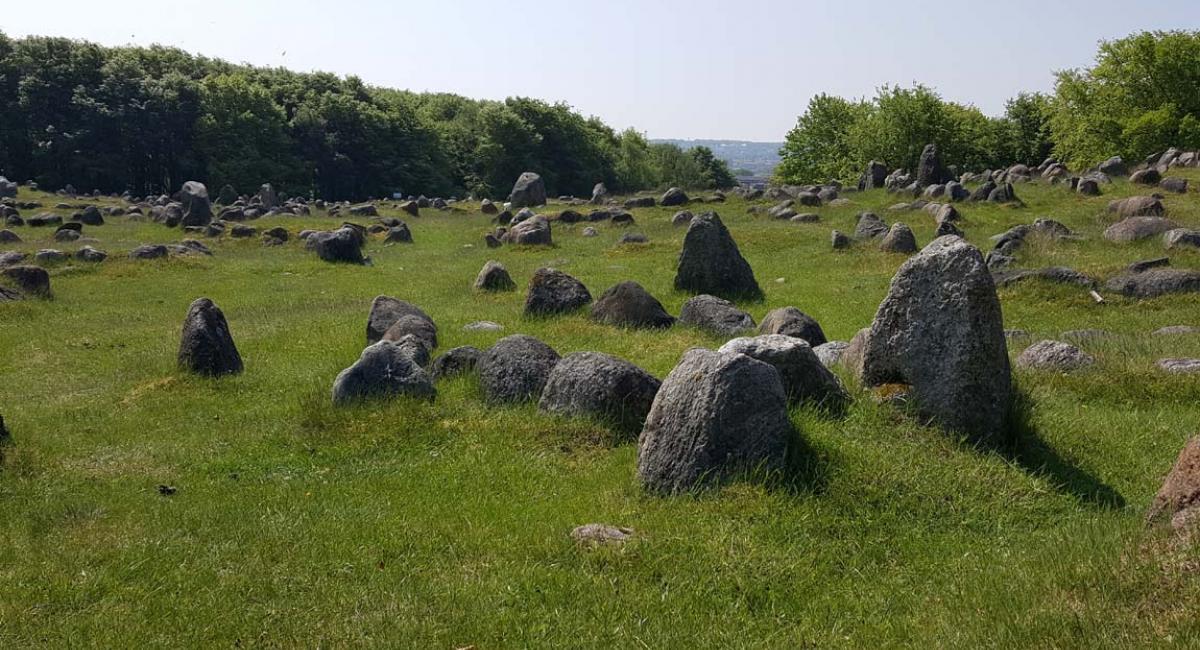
point(410, 524)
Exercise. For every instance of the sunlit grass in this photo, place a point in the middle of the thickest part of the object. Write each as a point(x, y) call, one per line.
point(445, 525)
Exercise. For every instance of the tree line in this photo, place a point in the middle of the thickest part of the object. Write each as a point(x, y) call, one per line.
point(1142, 96)
point(146, 119)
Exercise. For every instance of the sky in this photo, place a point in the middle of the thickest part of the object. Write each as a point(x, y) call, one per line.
point(704, 69)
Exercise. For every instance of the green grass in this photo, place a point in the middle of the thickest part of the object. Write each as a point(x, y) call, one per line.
point(411, 524)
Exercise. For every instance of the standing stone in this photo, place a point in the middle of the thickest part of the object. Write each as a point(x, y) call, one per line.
point(929, 169)
point(716, 414)
point(711, 263)
point(515, 369)
point(553, 292)
point(267, 196)
point(197, 210)
point(227, 195)
point(628, 304)
point(494, 277)
point(940, 331)
point(789, 321)
point(529, 191)
point(206, 346)
point(599, 194)
point(874, 177)
point(599, 385)
point(385, 369)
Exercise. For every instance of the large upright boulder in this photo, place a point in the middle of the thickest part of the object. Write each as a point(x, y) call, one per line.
point(227, 196)
point(197, 209)
point(385, 369)
point(711, 263)
point(940, 331)
point(206, 347)
point(553, 292)
point(599, 194)
point(515, 369)
point(929, 168)
point(267, 196)
point(599, 385)
point(874, 177)
point(529, 191)
point(714, 415)
point(628, 304)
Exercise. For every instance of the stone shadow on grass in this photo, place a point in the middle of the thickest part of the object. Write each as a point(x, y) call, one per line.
point(1027, 450)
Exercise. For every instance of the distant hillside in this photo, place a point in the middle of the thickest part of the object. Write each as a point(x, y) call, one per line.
point(758, 157)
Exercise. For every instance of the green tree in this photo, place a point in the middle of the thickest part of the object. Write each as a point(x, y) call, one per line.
point(242, 137)
point(819, 147)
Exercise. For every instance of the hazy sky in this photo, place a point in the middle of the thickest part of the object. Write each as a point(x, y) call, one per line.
point(740, 69)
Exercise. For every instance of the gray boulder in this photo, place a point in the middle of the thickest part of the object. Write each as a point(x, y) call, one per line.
point(790, 321)
point(28, 279)
point(711, 263)
point(494, 277)
point(929, 168)
point(422, 329)
point(149, 252)
point(532, 231)
point(940, 331)
point(343, 245)
point(197, 209)
point(869, 226)
point(1132, 229)
point(1181, 238)
point(599, 385)
point(715, 315)
point(515, 369)
point(715, 415)
point(206, 347)
point(628, 304)
point(1054, 355)
point(1178, 500)
point(805, 379)
point(455, 361)
point(385, 369)
point(385, 311)
point(553, 292)
point(899, 239)
point(529, 191)
point(673, 197)
point(1155, 282)
point(1138, 206)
